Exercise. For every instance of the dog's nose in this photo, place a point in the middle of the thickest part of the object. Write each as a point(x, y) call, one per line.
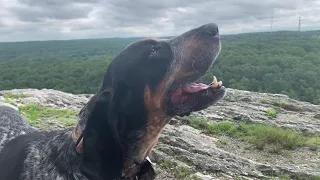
point(211, 29)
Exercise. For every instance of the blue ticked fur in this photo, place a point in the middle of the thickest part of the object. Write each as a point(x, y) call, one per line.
point(35, 155)
point(12, 124)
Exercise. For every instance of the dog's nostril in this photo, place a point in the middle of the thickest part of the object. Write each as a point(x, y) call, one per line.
point(211, 29)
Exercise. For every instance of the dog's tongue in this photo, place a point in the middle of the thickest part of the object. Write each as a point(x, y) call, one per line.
point(194, 87)
point(188, 92)
point(184, 92)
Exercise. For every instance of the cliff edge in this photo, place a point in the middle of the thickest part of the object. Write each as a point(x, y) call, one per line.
point(247, 135)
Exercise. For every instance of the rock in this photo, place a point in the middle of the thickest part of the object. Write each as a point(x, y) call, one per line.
point(187, 143)
point(49, 98)
point(205, 177)
point(200, 151)
point(252, 106)
point(204, 155)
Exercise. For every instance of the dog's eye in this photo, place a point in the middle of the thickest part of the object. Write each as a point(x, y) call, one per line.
point(154, 50)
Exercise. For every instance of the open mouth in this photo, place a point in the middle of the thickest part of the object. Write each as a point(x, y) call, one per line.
point(195, 96)
point(194, 52)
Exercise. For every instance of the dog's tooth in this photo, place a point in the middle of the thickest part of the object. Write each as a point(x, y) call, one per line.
point(214, 83)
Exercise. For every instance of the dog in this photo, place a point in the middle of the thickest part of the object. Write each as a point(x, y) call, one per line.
point(145, 86)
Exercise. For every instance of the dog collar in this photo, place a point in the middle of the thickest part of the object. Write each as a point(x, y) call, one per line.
point(145, 171)
point(77, 137)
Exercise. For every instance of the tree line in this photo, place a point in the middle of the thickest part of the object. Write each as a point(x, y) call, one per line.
point(284, 62)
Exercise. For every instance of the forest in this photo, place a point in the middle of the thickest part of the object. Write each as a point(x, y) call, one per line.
point(286, 62)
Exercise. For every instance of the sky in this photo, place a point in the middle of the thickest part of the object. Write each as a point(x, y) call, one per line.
point(29, 20)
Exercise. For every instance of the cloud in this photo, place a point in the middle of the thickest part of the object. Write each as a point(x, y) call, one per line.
point(22, 20)
point(40, 10)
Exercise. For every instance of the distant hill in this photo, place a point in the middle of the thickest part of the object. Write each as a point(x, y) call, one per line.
point(284, 62)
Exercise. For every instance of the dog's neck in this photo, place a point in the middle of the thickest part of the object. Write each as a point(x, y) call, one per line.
point(137, 136)
point(132, 168)
point(65, 158)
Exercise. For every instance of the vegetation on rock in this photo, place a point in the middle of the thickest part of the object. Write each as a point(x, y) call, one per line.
point(260, 135)
point(35, 113)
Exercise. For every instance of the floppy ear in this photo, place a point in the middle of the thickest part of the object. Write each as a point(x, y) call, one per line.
point(102, 156)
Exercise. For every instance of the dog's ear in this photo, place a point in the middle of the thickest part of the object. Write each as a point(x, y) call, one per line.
point(102, 151)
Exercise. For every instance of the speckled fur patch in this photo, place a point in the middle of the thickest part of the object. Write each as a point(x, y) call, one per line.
point(12, 124)
point(50, 156)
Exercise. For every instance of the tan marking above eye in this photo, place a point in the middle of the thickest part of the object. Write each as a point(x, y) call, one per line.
point(152, 39)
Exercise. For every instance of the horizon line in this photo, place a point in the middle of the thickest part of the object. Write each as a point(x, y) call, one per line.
point(160, 37)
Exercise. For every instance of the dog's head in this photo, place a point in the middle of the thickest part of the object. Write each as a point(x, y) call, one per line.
point(147, 84)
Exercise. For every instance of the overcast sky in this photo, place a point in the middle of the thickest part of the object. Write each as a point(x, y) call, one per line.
point(22, 20)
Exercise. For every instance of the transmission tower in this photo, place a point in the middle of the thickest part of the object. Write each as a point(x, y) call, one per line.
point(299, 25)
point(272, 21)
